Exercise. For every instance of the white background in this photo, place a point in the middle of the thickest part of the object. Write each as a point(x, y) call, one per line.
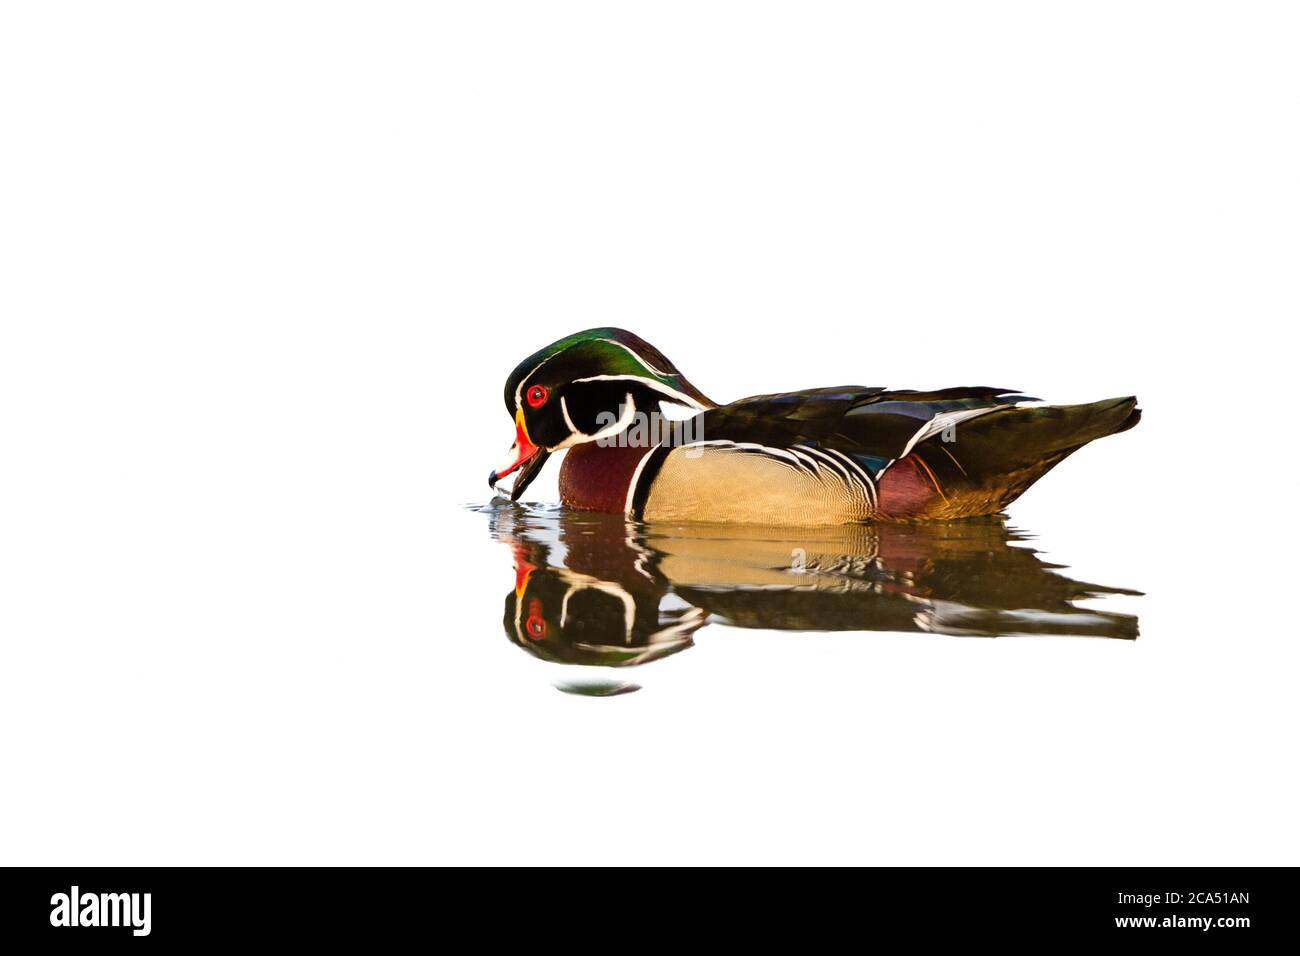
point(267, 265)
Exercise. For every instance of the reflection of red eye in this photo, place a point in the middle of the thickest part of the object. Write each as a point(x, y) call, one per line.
point(536, 624)
point(537, 396)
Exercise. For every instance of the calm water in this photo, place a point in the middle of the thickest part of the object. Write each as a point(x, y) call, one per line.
point(597, 590)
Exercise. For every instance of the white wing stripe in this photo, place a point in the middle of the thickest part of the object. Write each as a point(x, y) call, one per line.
point(944, 420)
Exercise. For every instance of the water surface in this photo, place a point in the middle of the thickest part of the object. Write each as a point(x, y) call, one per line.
point(602, 591)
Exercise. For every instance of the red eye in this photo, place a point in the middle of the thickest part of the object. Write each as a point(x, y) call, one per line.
point(536, 624)
point(537, 396)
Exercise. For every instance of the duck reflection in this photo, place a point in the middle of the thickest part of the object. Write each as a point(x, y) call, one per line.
point(584, 594)
point(595, 589)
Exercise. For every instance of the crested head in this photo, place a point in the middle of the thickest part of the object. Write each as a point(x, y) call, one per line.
point(585, 387)
point(605, 354)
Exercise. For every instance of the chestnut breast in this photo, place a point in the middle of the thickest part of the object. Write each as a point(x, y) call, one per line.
point(596, 478)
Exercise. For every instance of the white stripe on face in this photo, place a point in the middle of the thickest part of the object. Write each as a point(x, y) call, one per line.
point(624, 422)
point(652, 383)
point(533, 371)
point(564, 407)
point(644, 364)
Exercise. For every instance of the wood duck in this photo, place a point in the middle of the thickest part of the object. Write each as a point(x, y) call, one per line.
point(836, 455)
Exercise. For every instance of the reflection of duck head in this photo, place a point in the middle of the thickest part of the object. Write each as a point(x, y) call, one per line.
point(595, 589)
point(569, 616)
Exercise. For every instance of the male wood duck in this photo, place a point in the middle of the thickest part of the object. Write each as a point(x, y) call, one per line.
point(820, 456)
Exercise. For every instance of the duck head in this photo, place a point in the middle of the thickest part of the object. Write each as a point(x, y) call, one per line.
point(582, 388)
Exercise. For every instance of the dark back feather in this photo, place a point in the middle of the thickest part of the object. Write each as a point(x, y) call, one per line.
point(871, 425)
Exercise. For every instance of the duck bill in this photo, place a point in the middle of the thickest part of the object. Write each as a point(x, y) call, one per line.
point(527, 460)
point(528, 473)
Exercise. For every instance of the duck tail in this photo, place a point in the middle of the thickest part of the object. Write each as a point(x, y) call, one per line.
point(1026, 433)
point(982, 465)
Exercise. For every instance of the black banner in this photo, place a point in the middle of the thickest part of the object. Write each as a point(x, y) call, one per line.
point(143, 907)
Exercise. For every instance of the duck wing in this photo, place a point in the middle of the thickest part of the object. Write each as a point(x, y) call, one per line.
point(873, 427)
